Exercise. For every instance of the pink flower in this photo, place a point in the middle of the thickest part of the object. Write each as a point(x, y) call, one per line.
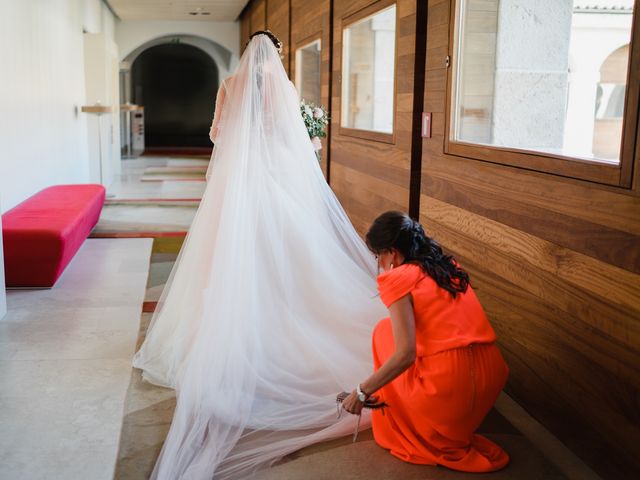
point(318, 113)
point(317, 144)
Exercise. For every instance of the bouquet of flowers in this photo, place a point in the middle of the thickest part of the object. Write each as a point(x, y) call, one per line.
point(316, 120)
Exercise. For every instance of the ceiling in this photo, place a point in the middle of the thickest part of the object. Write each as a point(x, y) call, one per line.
point(195, 10)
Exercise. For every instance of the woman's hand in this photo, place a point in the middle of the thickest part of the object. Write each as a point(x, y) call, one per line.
point(351, 404)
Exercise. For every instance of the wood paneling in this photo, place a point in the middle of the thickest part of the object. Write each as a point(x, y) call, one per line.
point(572, 377)
point(555, 260)
point(599, 241)
point(369, 176)
point(278, 22)
point(311, 19)
point(631, 133)
point(367, 193)
point(258, 15)
point(556, 263)
point(245, 29)
point(417, 103)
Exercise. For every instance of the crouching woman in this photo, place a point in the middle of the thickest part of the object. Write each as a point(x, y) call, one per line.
point(436, 363)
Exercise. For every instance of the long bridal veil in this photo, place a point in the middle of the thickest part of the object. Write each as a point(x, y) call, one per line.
point(268, 311)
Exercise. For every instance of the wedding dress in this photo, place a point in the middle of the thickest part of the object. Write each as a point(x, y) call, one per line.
point(269, 310)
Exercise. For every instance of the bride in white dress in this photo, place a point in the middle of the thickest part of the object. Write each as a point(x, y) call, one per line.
point(269, 310)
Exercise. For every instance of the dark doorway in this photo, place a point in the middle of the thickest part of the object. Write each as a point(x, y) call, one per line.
point(177, 85)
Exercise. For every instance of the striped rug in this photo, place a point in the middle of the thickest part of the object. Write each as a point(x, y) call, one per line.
point(176, 174)
point(131, 217)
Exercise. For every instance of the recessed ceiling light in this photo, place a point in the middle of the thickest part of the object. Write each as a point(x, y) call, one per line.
point(198, 11)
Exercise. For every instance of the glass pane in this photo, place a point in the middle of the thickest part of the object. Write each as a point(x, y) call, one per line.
point(368, 72)
point(547, 76)
point(308, 72)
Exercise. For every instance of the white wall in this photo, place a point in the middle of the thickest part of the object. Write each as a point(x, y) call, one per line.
point(93, 18)
point(43, 135)
point(132, 34)
point(3, 293)
point(101, 68)
point(101, 80)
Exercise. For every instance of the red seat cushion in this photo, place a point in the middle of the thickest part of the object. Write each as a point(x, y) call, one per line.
point(42, 234)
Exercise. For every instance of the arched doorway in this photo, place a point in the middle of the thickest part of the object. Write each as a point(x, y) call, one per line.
point(176, 83)
point(607, 134)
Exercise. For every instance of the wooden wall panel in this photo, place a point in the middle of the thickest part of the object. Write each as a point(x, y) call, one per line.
point(311, 19)
point(278, 22)
point(258, 15)
point(245, 29)
point(556, 263)
point(369, 176)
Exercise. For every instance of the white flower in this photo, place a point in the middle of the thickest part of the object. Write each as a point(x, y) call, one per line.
point(308, 111)
point(317, 144)
point(318, 113)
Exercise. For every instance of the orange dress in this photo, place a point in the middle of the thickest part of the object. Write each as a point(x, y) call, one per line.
point(437, 404)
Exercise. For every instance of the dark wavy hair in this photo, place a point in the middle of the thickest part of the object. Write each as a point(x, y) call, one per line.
point(276, 41)
point(396, 230)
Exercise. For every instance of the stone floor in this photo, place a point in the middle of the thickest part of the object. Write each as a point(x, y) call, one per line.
point(65, 363)
point(130, 186)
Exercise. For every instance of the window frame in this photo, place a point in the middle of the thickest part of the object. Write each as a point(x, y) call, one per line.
point(305, 42)
point(345, 22)
point(618, 175)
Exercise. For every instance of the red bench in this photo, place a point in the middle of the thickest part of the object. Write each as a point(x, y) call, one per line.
point(42, 234)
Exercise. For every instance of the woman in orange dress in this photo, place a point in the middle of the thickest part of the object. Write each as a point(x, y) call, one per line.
point(436, 363)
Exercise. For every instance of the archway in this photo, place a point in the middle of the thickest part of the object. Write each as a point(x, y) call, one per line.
point(176, 83)
point(609, 109)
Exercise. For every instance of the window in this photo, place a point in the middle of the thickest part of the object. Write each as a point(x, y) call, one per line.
point(609, 109)
point(545, 79)
point(308, 71)
point(368, 72)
